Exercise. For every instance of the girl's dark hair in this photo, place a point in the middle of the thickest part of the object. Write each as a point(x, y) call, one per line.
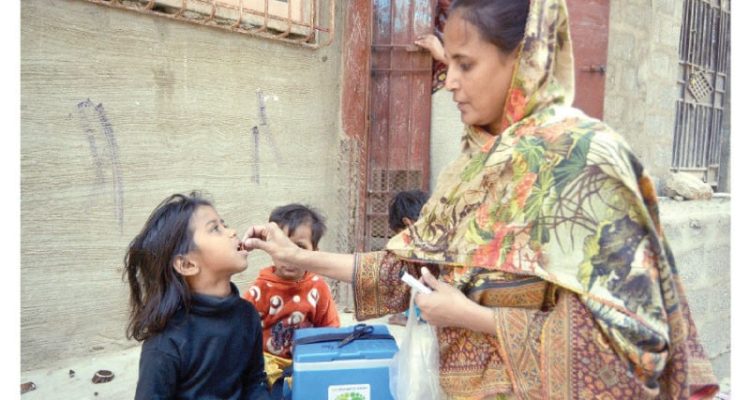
point(293, 215)
point(405, 204)
point(157, 291)
point(501, 23)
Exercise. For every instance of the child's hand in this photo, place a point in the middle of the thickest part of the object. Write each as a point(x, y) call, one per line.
point(271, 239)
point(432, 43)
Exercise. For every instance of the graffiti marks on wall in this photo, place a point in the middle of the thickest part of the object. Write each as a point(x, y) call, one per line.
point(105, 153)
point(256, 155)
point(263, 129)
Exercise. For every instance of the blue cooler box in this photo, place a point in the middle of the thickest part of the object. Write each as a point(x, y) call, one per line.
point(349, 363)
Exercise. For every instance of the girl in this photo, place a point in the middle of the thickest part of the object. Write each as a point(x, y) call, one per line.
point(200, 339)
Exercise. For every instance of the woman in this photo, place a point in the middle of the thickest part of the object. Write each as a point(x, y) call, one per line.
point(555, 280)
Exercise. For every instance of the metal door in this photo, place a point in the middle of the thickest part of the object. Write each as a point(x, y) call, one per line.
point(703, 82)
point(400, 102)
point(589, 30)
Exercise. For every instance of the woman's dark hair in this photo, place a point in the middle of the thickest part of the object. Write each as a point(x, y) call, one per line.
point(405, 204)
point(293, 215)
point(157, 291)
point(501, 23)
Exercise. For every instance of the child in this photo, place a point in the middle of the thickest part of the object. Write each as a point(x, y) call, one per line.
point(288, 297)
point(403, 210)
point(200, 339)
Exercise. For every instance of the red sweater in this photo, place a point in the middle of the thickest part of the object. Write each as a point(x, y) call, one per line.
point(285, 306)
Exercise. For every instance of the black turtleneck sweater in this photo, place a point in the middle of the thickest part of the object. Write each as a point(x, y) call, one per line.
point(214, 351)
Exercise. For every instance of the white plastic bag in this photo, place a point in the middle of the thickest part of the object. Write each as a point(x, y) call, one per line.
point(415, 369)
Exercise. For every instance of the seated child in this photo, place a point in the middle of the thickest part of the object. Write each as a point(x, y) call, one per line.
point(403, 210)
point(288, 297)
point(200, 339)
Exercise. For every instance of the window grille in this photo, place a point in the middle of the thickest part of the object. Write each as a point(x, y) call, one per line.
point(293, 21)
point(703, 83)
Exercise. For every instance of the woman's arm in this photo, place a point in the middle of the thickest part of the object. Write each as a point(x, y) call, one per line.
point(333, 265)
point(271, 239)
point(446, 306)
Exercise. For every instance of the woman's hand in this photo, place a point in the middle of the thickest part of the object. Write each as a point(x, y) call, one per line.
point(432, 43)
point(274, 241)
point(442, 307)
point(447, 306)
point(271, 239)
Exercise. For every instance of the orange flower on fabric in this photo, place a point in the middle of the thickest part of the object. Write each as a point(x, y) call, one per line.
point(517, 105)
point(488, 145)
point(524, 188)
point(488, 253)
point(406, 237)
point(552, 133)
point(483, 215)
point(525, 130)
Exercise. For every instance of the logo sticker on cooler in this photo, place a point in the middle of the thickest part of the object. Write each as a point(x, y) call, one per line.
point(349, 392)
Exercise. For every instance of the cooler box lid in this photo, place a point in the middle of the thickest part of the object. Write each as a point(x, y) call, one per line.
point(358, 342)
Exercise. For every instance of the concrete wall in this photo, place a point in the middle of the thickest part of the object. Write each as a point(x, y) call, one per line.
point(119, 110)
point(699, 235)
point(445, 134)
point(642, 69)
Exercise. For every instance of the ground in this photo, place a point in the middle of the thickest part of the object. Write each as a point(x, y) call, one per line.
point(56, 382)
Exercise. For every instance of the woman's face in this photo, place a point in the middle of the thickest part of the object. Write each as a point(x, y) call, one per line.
point(479, 74)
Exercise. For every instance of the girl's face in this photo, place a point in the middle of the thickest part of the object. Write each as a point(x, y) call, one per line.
point(217, 250)
point(479, 74)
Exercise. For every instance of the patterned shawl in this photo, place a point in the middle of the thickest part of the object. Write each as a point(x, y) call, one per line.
point(559, 196)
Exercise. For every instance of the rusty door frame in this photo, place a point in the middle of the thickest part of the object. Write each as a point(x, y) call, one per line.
point(356, 104)
point(355, 99)
point(400, 108)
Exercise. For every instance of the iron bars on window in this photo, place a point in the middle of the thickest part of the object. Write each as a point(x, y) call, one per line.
point(291, 21)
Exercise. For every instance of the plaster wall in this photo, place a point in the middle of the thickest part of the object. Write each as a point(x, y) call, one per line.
point(121, 109)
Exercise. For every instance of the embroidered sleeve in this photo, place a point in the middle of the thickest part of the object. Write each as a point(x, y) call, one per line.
point(378, 289)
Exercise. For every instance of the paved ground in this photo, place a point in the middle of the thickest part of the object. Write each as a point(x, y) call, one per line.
point(56, 382)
